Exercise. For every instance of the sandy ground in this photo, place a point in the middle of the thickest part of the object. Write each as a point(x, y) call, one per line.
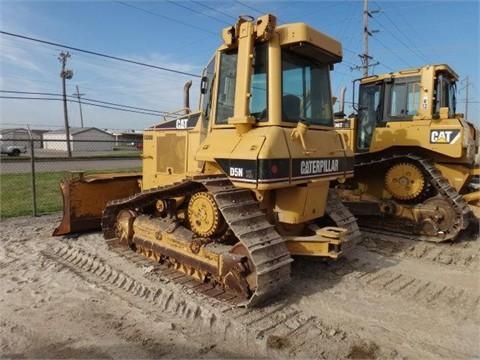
point(387, 298)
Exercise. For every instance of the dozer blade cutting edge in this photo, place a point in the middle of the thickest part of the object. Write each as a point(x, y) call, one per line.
point(85, 197)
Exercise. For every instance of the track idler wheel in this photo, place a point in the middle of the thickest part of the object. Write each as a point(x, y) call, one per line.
point(405, 181)
point(204, 216)
point(442, 219)
point(124, 226)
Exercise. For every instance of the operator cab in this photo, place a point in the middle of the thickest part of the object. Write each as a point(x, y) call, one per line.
point(288, 80)
point(398, 96)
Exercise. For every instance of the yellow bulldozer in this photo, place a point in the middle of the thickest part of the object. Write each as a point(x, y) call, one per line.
point(415, 168)
point(230, 192)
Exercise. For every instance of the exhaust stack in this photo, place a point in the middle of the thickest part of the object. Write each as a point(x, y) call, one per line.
point(342, 99)
point(186, 96)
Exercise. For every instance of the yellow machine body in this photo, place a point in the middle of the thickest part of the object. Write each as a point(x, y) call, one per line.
point(230, 191)
point(404, 118)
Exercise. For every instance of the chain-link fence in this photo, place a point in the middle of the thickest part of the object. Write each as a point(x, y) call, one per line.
point(31, 170)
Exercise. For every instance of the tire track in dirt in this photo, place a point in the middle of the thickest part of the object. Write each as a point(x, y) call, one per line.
point(428, 284)
point(464, 252)
point(384, 299)
point(266, 331)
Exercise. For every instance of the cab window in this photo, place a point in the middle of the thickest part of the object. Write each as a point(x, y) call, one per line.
point(404, 98)
point(226, 87)
point(305, 90)
point(445, 95)
point(208, 75)
point(259, 86)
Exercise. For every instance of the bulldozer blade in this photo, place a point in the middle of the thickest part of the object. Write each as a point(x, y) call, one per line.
point(85, 197)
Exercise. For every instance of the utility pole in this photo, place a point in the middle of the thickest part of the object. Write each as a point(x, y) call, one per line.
point(65, 74)
point(467, 85)
point(78, 95)
point(365, 57)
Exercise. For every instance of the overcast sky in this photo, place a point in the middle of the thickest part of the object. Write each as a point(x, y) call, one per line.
point(183, 36)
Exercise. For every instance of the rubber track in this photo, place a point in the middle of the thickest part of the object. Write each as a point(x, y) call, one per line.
point(265, 246)
point(141, 200)
point(442, 186)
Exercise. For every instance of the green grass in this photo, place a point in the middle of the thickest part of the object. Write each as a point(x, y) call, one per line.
point(16, 192)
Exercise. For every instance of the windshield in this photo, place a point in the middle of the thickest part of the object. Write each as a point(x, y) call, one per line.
point(305, 90)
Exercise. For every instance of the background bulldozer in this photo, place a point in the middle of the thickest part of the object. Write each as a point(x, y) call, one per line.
point(415, 168)
point(229, 192)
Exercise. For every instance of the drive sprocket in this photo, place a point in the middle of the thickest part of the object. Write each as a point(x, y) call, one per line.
point(405, 181)
point(204, 215)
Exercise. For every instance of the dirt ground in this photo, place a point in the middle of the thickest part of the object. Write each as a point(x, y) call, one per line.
point(387, 298)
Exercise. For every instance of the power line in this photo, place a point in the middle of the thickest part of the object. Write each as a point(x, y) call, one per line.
point(213, 9)
point(401, 41)
point(110, 89)
point(196, 11)
point(92, 100)
point(257, 10)
point(415, 50)
point(164, 17)
point(30, 93)
point(346, 63)
point(392, 52)
point(386, 67)
point(350, 51)
point(126, 106)
point(100, 54)
point(76, 101)
point(413, 39)
point(249, 7)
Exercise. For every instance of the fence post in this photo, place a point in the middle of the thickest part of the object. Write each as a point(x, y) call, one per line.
point(32, 163)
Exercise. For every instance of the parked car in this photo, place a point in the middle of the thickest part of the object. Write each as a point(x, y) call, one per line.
point(13, 150)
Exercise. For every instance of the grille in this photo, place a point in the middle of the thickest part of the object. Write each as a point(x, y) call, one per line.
point(171, 153)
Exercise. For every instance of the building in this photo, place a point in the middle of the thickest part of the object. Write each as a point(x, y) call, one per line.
point(20, 136)
point(81, 139)
point(127, 138)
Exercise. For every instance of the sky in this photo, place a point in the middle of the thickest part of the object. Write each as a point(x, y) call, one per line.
point(183, 35)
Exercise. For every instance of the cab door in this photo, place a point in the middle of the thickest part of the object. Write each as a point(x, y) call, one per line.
point(370, 111)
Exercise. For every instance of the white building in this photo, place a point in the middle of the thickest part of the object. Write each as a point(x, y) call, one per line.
point(20, 136)
point(127, 138)
point(81, 139)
